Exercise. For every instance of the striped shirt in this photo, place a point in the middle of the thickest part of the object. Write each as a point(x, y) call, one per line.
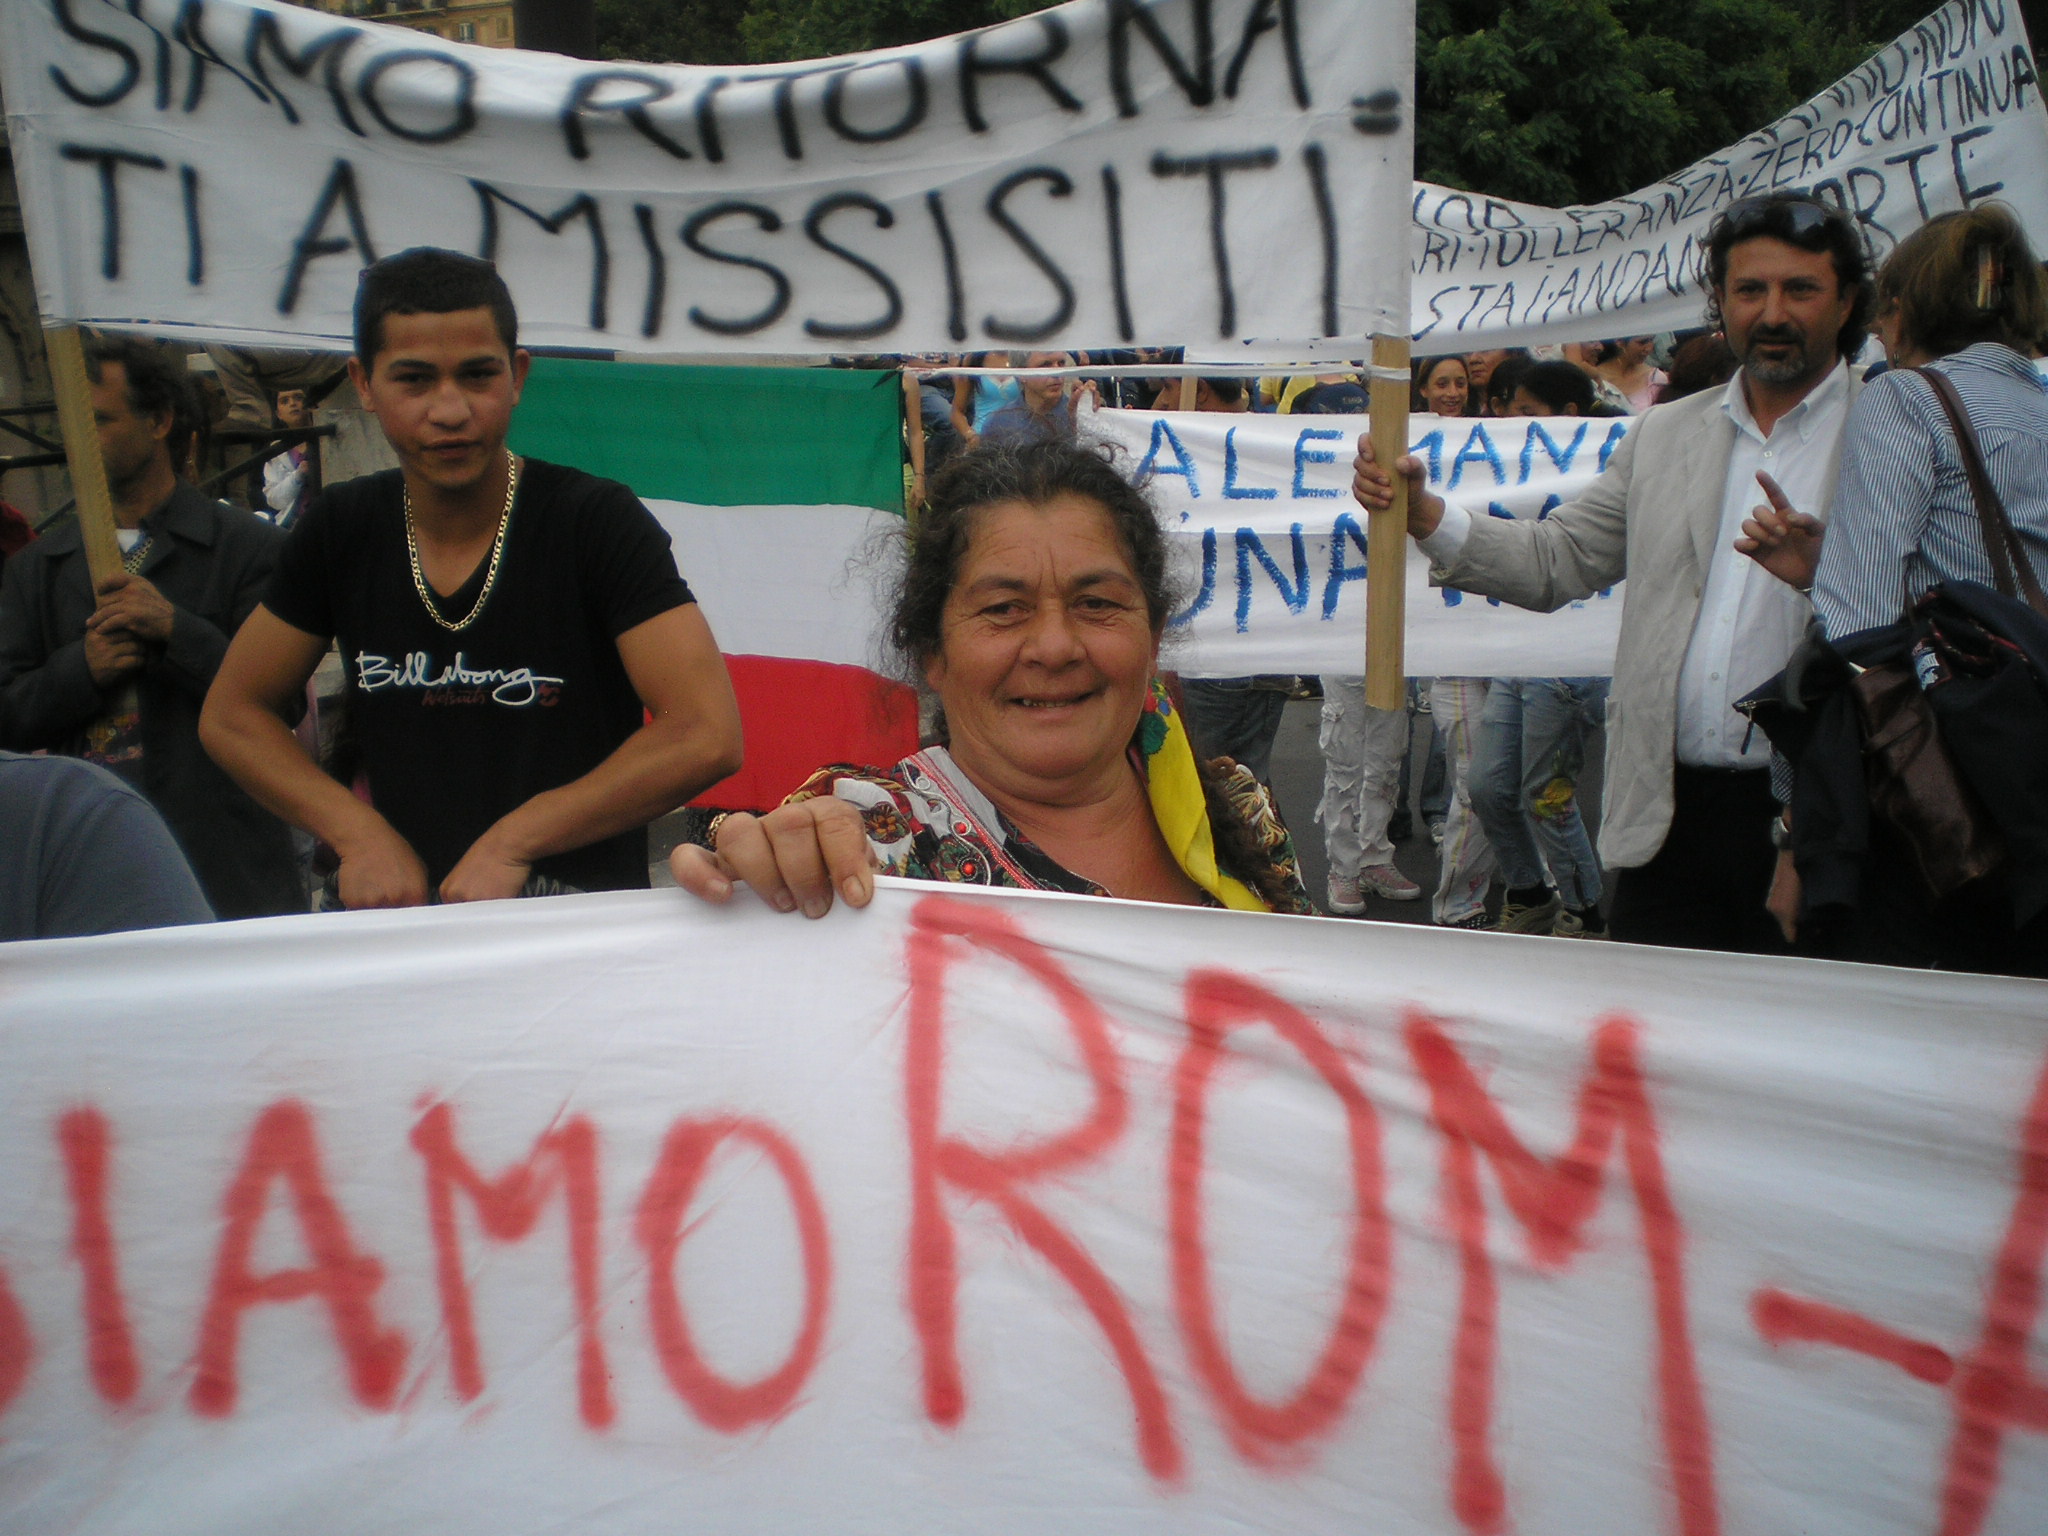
point(1903, 515)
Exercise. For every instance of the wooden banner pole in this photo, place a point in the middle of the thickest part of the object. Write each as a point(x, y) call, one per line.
point(95, 503)
point(1187, 392)
point(913, 418)
point(1386, 534)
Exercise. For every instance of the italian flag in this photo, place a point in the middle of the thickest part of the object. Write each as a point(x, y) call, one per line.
point(778, 487)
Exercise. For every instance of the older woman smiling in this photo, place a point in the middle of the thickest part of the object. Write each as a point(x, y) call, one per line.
point(1032, 606)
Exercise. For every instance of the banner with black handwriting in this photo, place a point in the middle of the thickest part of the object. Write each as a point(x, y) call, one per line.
point(1103, 173)
point(1943, 118)
point(1270, 545)
point(1008, 1215)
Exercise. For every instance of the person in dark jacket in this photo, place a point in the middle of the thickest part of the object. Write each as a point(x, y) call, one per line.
point(116, 675)
point(1963, 298)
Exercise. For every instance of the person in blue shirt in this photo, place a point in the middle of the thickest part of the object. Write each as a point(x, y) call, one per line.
point(86, 854)
point(1043, 412)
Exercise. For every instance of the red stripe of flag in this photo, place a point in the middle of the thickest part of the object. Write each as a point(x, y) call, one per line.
point(800, 715)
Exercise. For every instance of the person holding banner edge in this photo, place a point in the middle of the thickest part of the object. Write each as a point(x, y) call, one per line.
point(504, 623)
point(1034, 595)
point(1688, 805)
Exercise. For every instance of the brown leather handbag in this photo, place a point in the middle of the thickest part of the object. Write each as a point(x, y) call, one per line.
point(1913, 782)
point(1914, 786)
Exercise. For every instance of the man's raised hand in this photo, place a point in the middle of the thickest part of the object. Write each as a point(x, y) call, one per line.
point(1781, 539)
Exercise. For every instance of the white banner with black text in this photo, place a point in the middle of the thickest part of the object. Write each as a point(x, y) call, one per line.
point(222, 169)
point(1946, 116)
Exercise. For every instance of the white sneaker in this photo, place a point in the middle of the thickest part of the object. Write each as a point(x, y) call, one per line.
point(1343, 898)
point(1385, 880)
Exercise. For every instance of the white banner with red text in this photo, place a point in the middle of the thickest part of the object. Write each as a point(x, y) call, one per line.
point(1270, 545)
point(1007, 1214)
point(1009, 187)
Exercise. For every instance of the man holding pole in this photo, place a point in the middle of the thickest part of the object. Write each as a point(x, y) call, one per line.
point(115, 671)
point(529, 680)
point(1688, 810)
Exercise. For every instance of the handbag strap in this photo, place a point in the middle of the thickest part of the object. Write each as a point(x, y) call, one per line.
point(2001, 540)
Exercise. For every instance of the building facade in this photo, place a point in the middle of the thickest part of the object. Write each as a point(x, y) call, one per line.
point(485, 22)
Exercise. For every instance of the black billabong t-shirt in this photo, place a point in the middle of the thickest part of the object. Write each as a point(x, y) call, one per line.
point(454, 729)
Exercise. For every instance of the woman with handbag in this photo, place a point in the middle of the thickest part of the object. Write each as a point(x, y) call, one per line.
point(1935, 547)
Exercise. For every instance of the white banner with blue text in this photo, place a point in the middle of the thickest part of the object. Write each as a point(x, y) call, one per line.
point(1270, 546)
point(986, 1214)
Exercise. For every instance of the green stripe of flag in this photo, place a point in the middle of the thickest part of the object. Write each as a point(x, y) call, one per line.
point(721, 437)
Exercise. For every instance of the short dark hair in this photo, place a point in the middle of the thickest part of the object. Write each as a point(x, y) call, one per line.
point(1808, 223)
point(1340, 399)
point(1506, 375)
point(1697, 363)
point(1559, 385)
point(157, 382)
point(1229, 391)
point(427, 280)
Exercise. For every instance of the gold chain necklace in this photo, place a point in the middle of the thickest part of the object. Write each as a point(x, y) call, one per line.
point(419, 579)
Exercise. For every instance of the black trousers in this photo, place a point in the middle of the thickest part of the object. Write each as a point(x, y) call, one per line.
point(1705, 889)
point(1897, 923)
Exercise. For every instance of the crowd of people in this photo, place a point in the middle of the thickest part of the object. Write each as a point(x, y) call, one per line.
point(530, 682)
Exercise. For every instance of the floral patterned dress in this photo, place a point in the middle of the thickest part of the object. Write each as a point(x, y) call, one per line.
point(926, 821)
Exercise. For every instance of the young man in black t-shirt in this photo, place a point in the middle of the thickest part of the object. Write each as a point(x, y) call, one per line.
point(503, 623)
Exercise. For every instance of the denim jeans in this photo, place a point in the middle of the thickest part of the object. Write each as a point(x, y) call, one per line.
point(1525, 775)
point(1436, 781)
point(1234, 717)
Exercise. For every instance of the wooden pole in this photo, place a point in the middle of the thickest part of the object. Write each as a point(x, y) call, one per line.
point(913, 416)
point(82, 449)
point(1386, 534)
point(1187, 391)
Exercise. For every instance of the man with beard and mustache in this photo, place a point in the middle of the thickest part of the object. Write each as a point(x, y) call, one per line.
point(1688, 807)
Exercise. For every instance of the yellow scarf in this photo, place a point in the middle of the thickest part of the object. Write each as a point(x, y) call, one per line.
point(1181, 808)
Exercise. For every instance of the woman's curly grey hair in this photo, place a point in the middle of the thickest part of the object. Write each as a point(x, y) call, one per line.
point(990, 474)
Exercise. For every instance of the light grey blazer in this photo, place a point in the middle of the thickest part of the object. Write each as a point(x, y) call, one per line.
point(1653, 517)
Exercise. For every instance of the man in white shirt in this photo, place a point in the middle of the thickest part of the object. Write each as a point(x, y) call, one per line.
point(1688, 809)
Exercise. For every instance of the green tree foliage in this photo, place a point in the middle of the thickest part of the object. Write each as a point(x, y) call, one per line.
point(811, 29)
point(670, 31)
point(1570, 101)
point(1544, 101)
point(775, 31)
